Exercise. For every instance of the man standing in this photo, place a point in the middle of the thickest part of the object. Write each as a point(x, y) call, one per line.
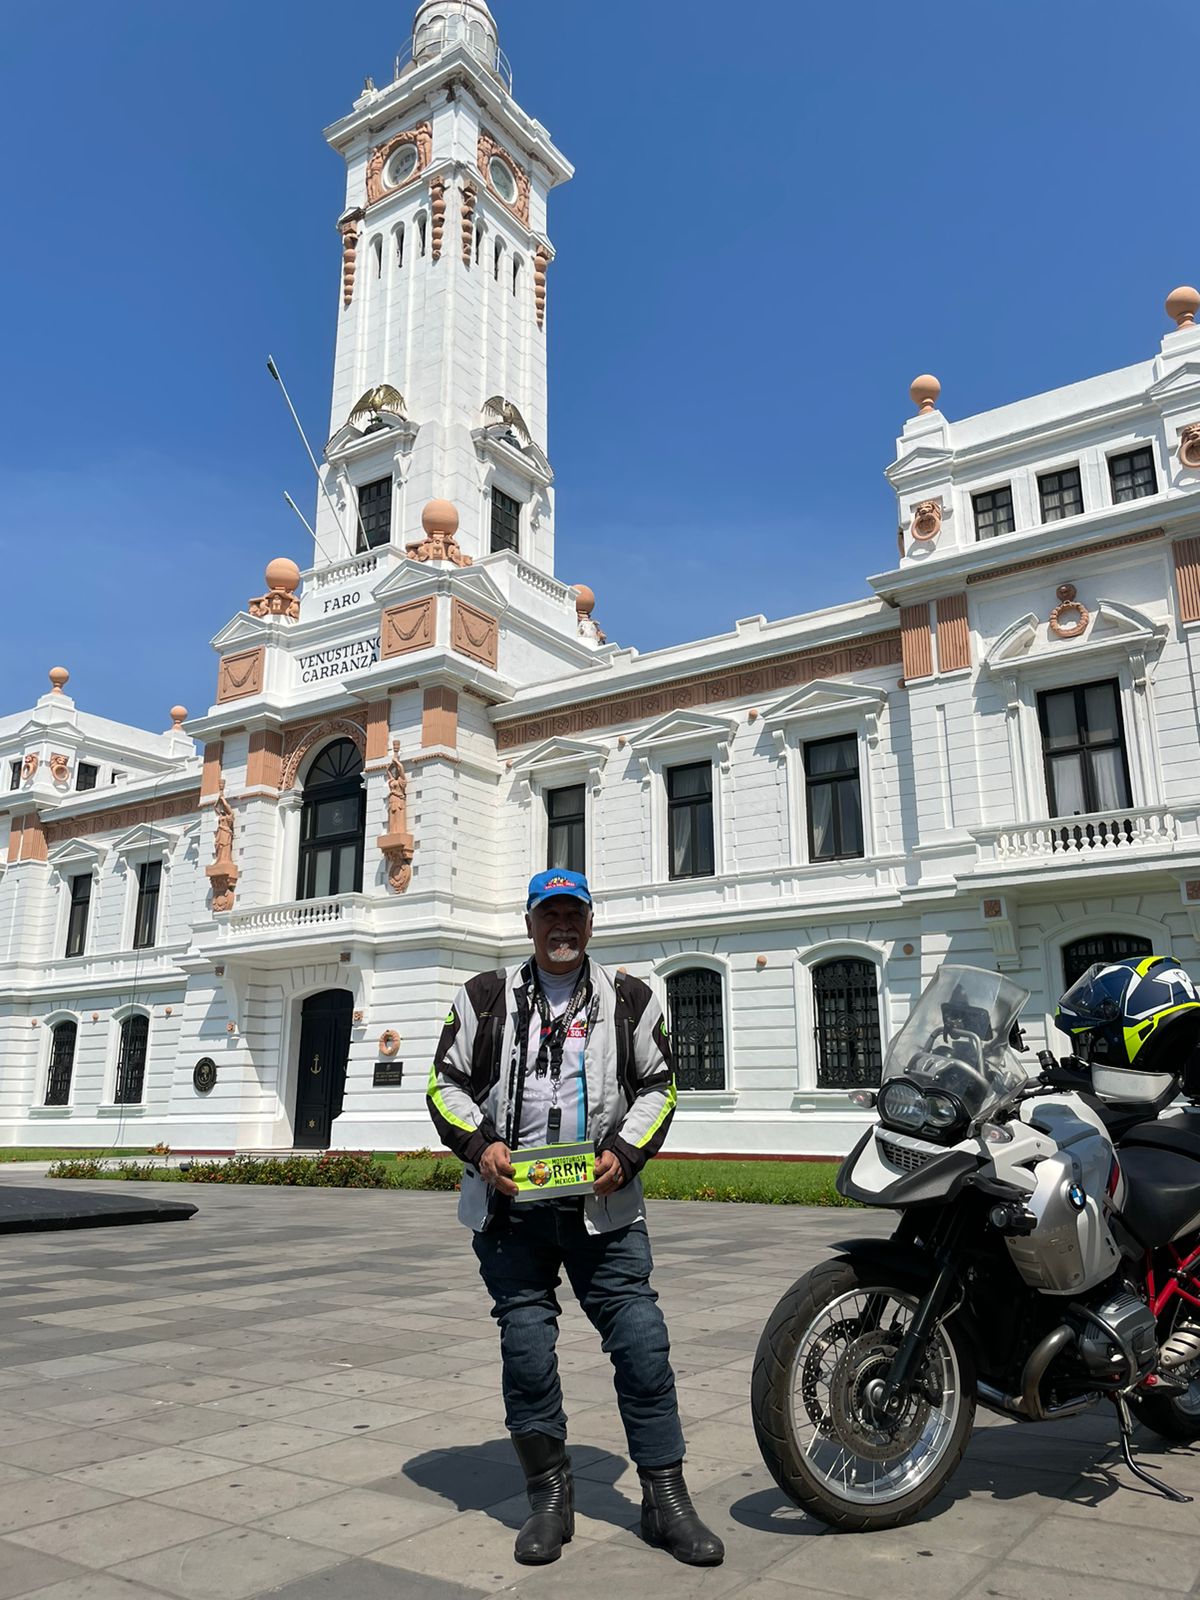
point(561, 1050)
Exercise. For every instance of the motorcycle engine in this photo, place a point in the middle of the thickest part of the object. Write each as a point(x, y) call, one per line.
point(1117, 1340)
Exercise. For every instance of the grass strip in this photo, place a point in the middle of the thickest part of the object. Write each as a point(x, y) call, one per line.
point(794, 1183)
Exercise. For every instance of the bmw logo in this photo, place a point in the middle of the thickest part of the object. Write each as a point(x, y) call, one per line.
point(1077, 1195)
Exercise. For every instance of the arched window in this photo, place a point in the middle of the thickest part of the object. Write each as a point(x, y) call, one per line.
point(422, 233)
point(398, 238)
point(62, 1062)
point(377, 253)
point(478, 242)
point(846, 1006)
point(499, 258)
point(1080, 954)
point(697, 1026)
point(517, 265)
point(332, 824)
point(131, 1061)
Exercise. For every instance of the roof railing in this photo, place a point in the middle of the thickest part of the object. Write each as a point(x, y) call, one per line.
point(442, 35)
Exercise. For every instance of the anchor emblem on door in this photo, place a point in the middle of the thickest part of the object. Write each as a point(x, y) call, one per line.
point(315, 1069)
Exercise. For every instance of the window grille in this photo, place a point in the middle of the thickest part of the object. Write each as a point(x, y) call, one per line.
point(846, 1002)
point(86, 776)
point(506, 522)
point(62, 1061)
point(131, 1061)
point(696, 1021)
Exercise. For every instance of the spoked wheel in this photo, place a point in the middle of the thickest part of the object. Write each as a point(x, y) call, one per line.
point(817, 1396)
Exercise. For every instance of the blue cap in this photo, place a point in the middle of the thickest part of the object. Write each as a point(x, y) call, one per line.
point(549, 885)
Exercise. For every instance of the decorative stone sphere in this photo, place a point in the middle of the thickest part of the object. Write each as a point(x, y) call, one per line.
point(1182, 305)
point(58, 679)
point(925, 390)
point(283, 574)
point(585, 599)
point(440, 517)
point(178, 715)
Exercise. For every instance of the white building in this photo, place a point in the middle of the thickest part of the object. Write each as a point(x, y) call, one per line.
point(236, 935)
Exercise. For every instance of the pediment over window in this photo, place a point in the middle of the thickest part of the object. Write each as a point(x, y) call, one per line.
point(679, 728)
point(557, 759)
point(822, 697)
point(75, 856)
point(922, 461)
point(150, 842)
point(1179, 383)
point(394, 433)
point(1029, 643)
point(467, 583)
point(244, 629)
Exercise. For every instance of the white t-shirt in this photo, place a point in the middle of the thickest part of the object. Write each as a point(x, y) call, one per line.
point(538, 1095)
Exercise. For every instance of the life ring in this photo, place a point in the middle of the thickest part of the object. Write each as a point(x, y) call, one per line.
point(389, 1042)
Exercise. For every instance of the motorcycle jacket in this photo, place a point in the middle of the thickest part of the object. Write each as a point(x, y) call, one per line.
point(478, 1076)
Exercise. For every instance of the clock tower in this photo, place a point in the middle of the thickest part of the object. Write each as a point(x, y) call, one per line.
point(439, 388)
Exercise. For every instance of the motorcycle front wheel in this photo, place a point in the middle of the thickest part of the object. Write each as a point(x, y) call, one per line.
point(822, 1360)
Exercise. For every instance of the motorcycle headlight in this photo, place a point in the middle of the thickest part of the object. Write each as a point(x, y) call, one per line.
point(902, 1106)
point(942, 1111)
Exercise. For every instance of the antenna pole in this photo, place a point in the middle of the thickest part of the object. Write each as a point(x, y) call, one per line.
point(274, 371)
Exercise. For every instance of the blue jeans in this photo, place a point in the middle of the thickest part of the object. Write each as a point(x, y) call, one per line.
point(519, 1260)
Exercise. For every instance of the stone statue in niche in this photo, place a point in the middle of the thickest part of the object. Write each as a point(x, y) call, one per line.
point(396, 844)
point(221, 872)
point(60, 768)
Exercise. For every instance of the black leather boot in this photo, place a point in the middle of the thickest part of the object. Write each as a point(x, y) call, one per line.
point(547, 1468)
point(669, 1518)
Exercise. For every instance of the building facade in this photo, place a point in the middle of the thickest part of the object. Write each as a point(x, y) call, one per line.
point(243, 933)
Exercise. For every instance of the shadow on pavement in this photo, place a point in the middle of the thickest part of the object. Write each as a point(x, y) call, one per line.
point(471, 1481)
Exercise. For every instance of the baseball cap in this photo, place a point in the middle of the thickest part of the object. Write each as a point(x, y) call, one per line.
point(547, 885)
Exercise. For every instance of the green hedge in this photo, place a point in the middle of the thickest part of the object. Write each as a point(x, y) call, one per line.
point(803, 1183)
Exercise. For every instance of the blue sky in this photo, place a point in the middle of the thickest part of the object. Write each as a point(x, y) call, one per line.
point(781, 213)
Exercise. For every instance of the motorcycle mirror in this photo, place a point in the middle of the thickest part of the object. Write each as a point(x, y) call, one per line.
point(1016, 1039)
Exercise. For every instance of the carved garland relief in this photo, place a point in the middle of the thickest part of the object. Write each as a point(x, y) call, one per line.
point(241, 674)
point(409, 627)
point(778, 672)
point(541, 265)
point(422, 137)
point(349, 227)
point(123, 817)
point(490, 148)
point(473, 633)
point(437, 216)
point(470, 196)
point(1070, 616)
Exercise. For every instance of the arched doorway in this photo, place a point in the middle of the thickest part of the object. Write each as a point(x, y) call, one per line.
point(332, 824)
point(1081, 954)
point(325, 1020)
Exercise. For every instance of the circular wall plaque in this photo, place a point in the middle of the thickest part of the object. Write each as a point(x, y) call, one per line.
point(204, 1075)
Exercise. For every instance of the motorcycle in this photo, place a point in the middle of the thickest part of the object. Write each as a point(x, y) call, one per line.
point(1046, 1258)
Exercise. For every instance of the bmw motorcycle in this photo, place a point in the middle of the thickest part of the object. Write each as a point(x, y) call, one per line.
point(1046, 1257)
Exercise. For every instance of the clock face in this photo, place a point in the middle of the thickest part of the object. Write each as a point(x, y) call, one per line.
point(401, 166)
point(502, 180)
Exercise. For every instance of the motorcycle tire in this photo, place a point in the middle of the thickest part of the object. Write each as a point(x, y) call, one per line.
point(782, 1348)
point(1171, 1416)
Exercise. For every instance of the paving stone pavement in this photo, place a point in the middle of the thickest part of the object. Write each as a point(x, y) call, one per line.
point(297, 1394)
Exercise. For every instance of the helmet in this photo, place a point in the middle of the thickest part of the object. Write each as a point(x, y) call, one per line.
point(1132, 1018)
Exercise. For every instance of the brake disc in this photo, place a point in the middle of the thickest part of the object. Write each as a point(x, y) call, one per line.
point(857, 1421)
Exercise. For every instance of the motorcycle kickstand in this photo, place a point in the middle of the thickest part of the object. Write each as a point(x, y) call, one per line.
point(1126, 1422)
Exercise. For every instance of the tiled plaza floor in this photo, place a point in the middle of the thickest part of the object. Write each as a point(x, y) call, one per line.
point(296, 1394)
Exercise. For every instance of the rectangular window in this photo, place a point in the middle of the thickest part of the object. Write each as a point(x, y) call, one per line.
point(506, 522)
point(565, 817)
point(145, 922)
point(1084, 749)
point(375, 514)
point(994, 512)
point(1061, 494)
point(86, 776)
point(1133, 476)
point(77, 917)
point(14, 775)
point(831, 781)
point(690, 821)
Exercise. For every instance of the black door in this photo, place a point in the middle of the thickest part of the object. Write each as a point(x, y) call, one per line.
point(321, 1072)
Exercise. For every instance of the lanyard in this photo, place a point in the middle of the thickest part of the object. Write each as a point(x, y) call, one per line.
point(554, 1031)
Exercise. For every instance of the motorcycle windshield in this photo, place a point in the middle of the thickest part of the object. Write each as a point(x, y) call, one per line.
point(956, 1039)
